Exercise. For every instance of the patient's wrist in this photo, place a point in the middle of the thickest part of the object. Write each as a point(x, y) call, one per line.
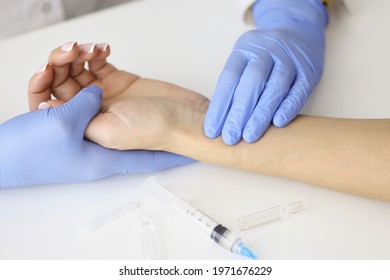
point(187, 135)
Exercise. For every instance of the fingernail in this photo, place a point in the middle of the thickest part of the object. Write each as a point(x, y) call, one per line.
point(102, 47)
point(87, 48)
point(42, 68)
point(43, 105)
point(67, 47)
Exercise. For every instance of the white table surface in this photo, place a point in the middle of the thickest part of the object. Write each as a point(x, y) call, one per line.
point(187, 43)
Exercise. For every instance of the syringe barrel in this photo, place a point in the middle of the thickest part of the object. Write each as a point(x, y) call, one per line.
point(151, 187)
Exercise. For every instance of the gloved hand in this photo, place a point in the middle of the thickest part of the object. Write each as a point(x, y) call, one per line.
point(271, 71)
point(48, 146)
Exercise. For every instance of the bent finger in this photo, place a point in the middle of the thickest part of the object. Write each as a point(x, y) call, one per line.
point(77, 68)
point(63, 86)
point(99, 66)
point(39, 86)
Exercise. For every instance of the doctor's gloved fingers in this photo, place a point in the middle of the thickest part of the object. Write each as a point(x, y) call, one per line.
point(246, 96)
point(278, 86)
point(99, 131)
point(261, 117)
point(39, 86)
point(98, 66)
point(222, 98)
point(293, 103)
point(81, 108)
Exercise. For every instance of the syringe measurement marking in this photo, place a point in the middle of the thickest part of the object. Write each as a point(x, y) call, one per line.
point(201, 217)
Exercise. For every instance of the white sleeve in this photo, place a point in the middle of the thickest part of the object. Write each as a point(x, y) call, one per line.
point(17, 16)
point(245, 10)
point(75, 8)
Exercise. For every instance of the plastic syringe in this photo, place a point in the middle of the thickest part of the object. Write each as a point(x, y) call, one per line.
point(220, 234)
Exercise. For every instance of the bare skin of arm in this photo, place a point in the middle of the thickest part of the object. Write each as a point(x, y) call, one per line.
point(351, 156)
point(346, 155)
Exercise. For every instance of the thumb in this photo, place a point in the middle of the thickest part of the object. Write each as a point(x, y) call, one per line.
point(82, 107)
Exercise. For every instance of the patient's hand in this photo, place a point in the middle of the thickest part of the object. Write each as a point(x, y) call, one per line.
point(145, 114)
point(136, 113)
point(65, 74)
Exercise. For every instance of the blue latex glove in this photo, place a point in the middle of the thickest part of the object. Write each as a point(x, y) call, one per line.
point(48, 146)
point(271, 71)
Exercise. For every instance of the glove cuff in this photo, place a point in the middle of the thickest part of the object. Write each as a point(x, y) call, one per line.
point(291, 14)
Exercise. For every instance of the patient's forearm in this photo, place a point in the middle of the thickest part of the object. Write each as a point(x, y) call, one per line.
point(342, 154)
